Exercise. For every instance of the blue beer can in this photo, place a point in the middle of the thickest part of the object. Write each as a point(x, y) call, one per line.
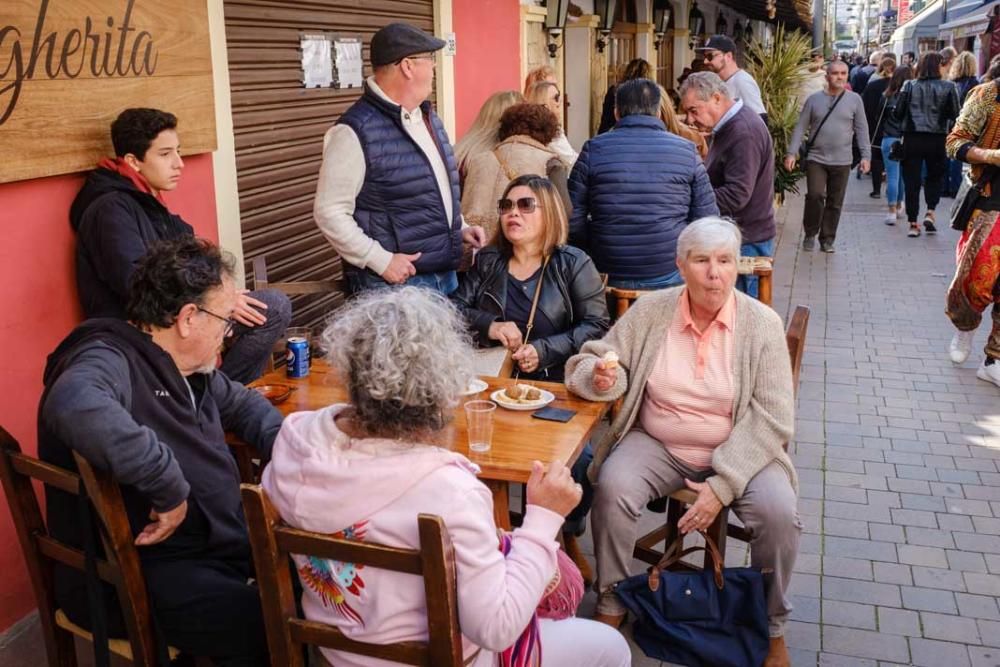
point(297, 357)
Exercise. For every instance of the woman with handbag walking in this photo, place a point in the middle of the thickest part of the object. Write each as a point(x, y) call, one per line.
point(892, 133)
point(925, 110)
point(976, 140)
point(872, 99)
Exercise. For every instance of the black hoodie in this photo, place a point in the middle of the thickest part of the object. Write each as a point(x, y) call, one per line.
point(117, 398)
point(115, 224)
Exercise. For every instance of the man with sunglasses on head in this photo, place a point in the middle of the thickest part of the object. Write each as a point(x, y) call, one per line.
point(142, 401)
point(121, 211)
point(388, 197)
point(719, 53)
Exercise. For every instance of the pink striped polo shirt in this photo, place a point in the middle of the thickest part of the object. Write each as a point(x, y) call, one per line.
point(688, 403)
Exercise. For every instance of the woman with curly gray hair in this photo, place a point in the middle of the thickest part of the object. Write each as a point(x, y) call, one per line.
point(366, 470)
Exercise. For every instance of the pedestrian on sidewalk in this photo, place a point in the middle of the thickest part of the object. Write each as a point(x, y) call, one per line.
point(892, 132)
point(740, 164)
point(963, 75)
point(719, 53)
point(925, 110)
point(833, 117)
point(974, 140)
point(873, 98)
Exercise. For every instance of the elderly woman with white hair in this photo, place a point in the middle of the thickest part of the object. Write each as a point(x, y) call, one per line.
point(367, 469)
point(708, 403)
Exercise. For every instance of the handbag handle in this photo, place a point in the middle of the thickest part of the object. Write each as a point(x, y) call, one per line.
point(673, 554)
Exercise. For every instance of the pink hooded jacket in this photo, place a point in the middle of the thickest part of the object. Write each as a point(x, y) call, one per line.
point(372, 490)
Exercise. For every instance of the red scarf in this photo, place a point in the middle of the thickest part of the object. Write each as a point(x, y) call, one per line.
point(122, 168)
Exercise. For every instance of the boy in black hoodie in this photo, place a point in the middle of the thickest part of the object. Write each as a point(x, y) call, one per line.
point(141, 400)
point(120, 211)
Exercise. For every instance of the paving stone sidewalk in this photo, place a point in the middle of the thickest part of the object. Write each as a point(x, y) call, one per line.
point(897, 453)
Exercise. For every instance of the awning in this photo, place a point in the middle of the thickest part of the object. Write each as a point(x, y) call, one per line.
point(973, 23)
point(797, 13)
point(924, 24)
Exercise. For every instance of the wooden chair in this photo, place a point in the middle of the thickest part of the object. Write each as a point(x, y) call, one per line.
point(295, 289)
point(620, 299)
point(287, 633)
point(678, 501)
point(120, 566)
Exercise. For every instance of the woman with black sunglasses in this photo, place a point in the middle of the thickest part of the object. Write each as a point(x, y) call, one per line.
point(529, 274)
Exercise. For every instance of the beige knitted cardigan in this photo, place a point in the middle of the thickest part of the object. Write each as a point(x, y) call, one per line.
point(763, 412)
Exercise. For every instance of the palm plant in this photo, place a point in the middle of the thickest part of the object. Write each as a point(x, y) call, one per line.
point(779, 67)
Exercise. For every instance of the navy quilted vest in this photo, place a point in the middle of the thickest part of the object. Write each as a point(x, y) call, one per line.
point(643, 186)
point(400, 203)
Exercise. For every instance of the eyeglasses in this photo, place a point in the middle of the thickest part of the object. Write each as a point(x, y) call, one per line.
point(712, 55)
point(230, 322)
point(430, 57)
point(524, 205)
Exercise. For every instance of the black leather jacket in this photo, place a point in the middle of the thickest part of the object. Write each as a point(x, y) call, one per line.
point(927, 105)
point(572, 298)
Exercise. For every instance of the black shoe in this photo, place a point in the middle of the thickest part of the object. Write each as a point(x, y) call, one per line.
point(929, 227)
point(809, 243)
point(875, 195)
point(827, 247)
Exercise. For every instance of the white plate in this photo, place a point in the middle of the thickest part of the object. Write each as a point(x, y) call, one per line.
point(500, 399)
point(475, 386)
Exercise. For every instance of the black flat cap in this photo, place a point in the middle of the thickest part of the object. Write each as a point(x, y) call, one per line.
point(719, 43)
point(399, 40)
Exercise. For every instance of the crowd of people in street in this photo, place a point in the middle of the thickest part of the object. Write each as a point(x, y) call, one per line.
point(510, 238)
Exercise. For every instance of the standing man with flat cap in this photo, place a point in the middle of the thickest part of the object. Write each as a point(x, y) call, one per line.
point(719, 53)
point(388, 195)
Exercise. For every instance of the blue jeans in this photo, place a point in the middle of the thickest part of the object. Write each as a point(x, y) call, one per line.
point(660, 282)
point(444, 282)
point(749, 285)
point(249, 349)
point(953, 177)
point(894, 189)
point(576, 521)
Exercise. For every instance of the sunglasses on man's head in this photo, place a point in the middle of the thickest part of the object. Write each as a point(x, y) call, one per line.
point(524, 205)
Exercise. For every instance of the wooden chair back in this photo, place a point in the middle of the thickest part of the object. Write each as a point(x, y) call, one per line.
point(273, 542)
point(299, 292)
point(120, 565)
point(795, 337)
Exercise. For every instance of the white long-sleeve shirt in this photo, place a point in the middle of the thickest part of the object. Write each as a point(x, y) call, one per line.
point(342, 175)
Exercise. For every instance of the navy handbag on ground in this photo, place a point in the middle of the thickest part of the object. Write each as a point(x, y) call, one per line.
point(703, 618)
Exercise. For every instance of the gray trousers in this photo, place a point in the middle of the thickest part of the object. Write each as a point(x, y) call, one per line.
point(640, 470)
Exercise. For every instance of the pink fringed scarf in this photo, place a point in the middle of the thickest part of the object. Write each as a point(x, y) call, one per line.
point(561, 598)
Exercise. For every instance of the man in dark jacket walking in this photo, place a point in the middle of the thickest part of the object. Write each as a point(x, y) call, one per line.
point(141, 399)
point(388, 197)
point(120, 212)
point(740, 164)
point(633, 190)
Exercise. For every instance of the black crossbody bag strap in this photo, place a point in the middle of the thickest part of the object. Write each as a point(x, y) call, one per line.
point(812, 139)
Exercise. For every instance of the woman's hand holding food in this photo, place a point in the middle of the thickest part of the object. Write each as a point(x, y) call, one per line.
point(507, 334)
point(606, 372)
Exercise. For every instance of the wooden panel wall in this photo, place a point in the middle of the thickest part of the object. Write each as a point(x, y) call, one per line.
point(279, 128)
point(68, 68)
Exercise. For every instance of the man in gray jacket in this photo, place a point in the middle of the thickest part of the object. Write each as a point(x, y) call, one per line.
point(828, 164)
point(142, 400)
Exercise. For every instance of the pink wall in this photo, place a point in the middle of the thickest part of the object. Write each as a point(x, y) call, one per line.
point(39, 306)
point(488, 38)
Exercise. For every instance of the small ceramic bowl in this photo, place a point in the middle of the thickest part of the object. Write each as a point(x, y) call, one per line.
point(276, 393)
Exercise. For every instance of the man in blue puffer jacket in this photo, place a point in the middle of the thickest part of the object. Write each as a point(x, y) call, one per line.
point(634, 189)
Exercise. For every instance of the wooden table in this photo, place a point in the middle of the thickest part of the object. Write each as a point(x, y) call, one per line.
point(518, 438)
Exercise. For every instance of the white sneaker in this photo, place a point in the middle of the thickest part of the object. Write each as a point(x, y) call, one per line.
point(890, 219)
point(900, 213)
point(960, 346)
point(989, 373)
